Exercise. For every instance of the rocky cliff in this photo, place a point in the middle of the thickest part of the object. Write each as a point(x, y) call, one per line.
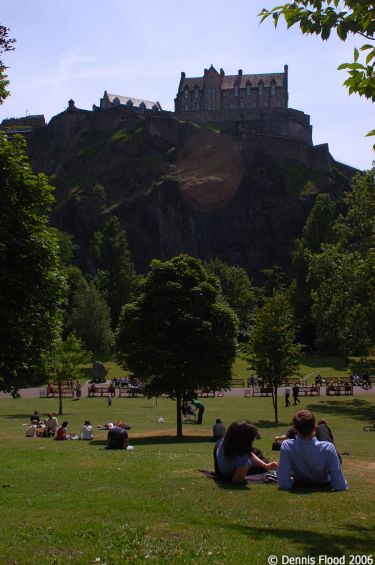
point(177, 187)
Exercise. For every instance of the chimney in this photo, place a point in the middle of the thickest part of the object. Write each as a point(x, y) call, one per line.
point(222, 73)
point(183, 75)
point(240, 72)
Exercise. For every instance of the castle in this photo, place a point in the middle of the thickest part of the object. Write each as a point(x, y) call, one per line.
point(254, 105)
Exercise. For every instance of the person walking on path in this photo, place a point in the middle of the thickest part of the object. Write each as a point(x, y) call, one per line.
point(295, 391)
point(287, 395)
point(109, 400)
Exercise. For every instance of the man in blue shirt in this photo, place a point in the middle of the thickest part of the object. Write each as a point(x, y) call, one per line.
point(309, 461)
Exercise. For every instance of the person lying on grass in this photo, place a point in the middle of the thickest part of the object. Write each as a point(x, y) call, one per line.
point(305, 460)
point(234, 455)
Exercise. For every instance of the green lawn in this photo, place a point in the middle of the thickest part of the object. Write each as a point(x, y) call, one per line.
point(72, 502)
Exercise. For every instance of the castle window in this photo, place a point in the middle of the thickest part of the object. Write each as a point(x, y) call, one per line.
point(186, 107)
point(129, 103)
point(260, 88)
point(196, 93)
point(236, 90)
point(254, 104)
point(230, 105)
point(116, 101)
point(248, 89)
point(273, 88)
point(265, 103)
point(242, 104)
point(186, 93)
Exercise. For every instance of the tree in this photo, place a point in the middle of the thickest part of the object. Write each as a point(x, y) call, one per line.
point(342, 276)
point(321, 17)
point(116, 275)
point(6, 44)
point(343, 308)
point(236, 288)
point(91, 321)
point(32, 286)
point(66, 362)
point(176, 336)
point(317, 230)
point(272, 348)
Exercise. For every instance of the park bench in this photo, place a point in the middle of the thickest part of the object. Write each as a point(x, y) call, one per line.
point(260, 391)
point(206, 392)
point(342, 389)
point(312, 390)
point(101, 391)
point(237, 382)
point(131, 391)
point(53, 392)
point(292, 381)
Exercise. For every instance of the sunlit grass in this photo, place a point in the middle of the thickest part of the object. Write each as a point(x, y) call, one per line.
point(71, 502)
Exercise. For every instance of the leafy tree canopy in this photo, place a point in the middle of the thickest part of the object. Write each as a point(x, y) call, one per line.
point(32, 286)
point(176, 336)
point(116, 276)
point(236, 288)
point(90, 320)
point(272, 348)
point(6, 44)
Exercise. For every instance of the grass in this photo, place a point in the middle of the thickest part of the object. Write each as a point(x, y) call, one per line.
point(72, 502)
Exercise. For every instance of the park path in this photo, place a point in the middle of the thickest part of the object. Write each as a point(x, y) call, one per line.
point(33, 392)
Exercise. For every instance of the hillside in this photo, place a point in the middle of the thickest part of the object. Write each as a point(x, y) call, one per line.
point(178, 187)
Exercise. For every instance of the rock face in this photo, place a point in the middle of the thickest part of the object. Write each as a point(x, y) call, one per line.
point(177, 187)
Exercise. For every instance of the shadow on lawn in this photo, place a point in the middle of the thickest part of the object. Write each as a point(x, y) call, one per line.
point(155, 440)
point(354, 539)
point(357, 409)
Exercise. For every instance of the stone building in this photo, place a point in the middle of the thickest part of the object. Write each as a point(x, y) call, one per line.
point(136, 104)
point(249, 104)
point(237, 93)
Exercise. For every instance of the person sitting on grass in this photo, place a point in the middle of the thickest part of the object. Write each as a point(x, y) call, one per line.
point(305, 460)
point(87, 431)
point(31, 430)
point(234, 455)
point(218, 430)
point(51, 425)
point(117, 437)
point(61, 433)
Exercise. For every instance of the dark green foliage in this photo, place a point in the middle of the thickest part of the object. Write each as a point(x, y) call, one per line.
point(90, 320)
point(67, 247)
point(116, 276)
point(343, 276)
point(236, 288)
point(273, 351)
point(176, 336)
point(32, 286)
point(273, 280)
point(6, 44)
point(318, 230)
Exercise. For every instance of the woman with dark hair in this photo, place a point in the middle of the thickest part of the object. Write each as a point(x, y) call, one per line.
point(234, 456)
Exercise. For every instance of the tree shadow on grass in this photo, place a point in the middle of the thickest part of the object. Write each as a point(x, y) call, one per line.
point(356, 409)
point(313, 542)
point(156, 440)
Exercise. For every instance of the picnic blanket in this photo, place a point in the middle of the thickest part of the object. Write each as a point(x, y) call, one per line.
point(257, 478)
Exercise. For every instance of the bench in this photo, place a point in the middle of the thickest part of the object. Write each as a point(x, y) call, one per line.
point(312, 390)
point(206, 392)
point(237, 382)
point(292, 381)
point(343, 389)
point(52, 393)
point(131, 391)
point(101, 391)
point(258, 391)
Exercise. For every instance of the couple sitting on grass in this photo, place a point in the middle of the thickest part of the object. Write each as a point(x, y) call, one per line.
point(303, 460)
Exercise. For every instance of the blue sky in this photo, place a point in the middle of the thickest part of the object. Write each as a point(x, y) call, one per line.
point(77, 50)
